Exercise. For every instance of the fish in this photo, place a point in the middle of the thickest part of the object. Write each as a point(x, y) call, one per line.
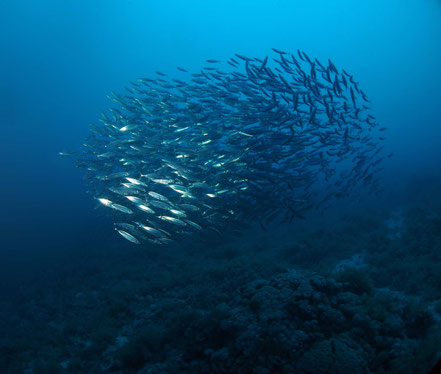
point(164, 240)
point(237, 143)
point(192, 208)
point(121, 208)
point(66, 153)
point(157, 196)
point(145, 208)
point(154, 232)
point(178, 213)
point(128, 236)
point(163, 181)
point(105, 202)
point(179, 188)
point(279, 51)
point(125, 226)
point(161, 205)
point(193, 224)
point(136, 200)
point(173, 220)
point(136, 182)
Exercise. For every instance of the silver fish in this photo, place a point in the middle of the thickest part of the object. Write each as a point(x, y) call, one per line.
point(157, 196)
point(127, 236)
point(174, 220)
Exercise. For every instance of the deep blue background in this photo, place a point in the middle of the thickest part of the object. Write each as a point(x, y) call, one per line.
point(59, 59)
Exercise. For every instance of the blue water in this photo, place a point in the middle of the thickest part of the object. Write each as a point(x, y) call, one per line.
point(59, 60)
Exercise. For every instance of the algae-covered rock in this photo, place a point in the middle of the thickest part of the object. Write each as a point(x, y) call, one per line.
point(339, 355)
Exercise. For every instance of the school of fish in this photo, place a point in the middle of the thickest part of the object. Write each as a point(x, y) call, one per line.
point(258, 140)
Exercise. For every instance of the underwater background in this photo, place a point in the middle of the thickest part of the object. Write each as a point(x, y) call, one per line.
point(355, 288)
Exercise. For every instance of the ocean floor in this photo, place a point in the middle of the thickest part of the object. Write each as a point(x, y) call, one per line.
point(340, 293)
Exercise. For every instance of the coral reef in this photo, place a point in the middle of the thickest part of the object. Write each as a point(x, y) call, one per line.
point(330, 300)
